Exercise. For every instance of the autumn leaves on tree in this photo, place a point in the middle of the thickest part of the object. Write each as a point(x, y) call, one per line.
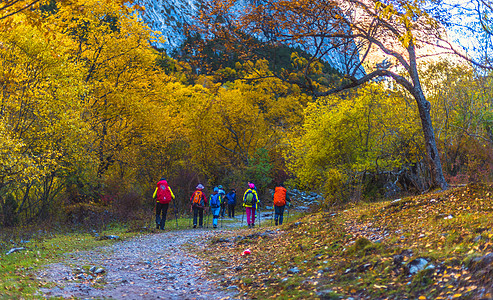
point(90, 110)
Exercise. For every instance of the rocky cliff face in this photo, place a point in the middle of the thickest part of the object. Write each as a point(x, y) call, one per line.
point(170, 16)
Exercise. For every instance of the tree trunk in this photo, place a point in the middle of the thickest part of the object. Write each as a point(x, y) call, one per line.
point(433, 157)
point(424, 107)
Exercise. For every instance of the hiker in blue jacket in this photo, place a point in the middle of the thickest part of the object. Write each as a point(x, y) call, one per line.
point(222, 196)
point(231, 196)
point(215, 205)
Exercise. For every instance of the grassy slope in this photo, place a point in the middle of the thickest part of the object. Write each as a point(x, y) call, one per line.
point(365, 251)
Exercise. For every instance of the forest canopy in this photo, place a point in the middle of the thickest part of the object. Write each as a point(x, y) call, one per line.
point(92, 114)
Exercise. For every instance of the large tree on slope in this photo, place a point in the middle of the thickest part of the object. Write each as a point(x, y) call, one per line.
point(401, 33)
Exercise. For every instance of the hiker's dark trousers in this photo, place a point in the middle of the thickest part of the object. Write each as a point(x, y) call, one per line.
point(161, 209)
point(200, 212)
point(231, 210)
point(279, 212)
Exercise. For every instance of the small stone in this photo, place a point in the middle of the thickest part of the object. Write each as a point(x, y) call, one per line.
point(417, 265)
point(99, 271)
point(325, 294)
point(15, 250)
point(294, 270)
point(92, 269)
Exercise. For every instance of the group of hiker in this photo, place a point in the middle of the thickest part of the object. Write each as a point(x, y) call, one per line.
point(218, 201)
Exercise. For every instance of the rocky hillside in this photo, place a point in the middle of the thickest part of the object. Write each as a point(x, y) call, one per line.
point(169, 17)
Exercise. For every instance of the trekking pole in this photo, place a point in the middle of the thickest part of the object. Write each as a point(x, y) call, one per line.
point(259, 219)
point(190, 220)
point(153, 217)
point(287, 219)
point(176, 217)
point(273, 212)
point(242, 216)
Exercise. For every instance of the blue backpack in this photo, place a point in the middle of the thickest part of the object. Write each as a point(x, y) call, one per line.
point(215, 201)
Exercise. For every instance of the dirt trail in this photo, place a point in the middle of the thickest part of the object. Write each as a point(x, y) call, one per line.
point(155, 266)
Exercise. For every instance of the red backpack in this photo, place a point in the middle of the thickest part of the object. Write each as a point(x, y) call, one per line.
point(163, 192)
point(280, 196)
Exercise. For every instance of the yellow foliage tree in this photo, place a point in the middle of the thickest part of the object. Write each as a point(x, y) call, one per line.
point(40, 116)
point(342, 139)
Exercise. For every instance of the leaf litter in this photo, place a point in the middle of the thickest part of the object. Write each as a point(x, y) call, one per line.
point(433, 246)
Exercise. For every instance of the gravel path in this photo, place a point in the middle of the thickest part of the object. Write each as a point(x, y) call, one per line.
point(155, 266)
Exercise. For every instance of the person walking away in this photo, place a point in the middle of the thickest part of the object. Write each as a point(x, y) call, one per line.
point(215, 205)
point(231, 197)
point(250, 201)
point(222, 196)
point(163, 195)
point(199, 202)
point(281, 198)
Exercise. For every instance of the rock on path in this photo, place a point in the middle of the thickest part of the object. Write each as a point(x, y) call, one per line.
point(155, 266)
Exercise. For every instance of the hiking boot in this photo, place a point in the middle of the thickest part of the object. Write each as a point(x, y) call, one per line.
point(215, 226)
point(194, 226)
point(200, 226)
point(157, 226)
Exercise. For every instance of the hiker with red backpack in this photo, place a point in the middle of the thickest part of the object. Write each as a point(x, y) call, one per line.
point(250, 202)
point(198, 202)
point(163, 196)
point(281, 198)
point(215, 204)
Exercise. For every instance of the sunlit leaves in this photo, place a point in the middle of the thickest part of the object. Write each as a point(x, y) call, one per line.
point(39, 101)
point(370, 131)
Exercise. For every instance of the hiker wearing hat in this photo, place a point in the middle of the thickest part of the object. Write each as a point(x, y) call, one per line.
point(198, 202)
point(231, 199)
point(281, 198)
point(222, 197)
point(163, 196)
point(250, 202)
point(215, 204)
